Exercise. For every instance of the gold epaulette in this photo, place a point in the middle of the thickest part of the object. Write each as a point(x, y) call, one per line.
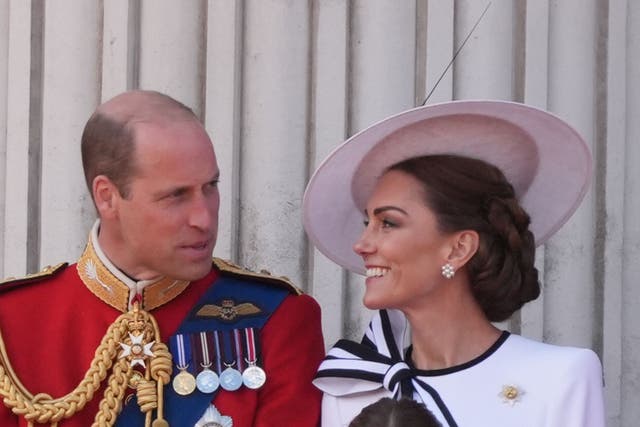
point(228, 267)
point(48, 271)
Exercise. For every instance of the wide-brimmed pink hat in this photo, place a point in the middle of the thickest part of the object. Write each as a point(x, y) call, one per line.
point(545, 159)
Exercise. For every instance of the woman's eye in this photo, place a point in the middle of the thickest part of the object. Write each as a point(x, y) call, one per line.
point(388, 224)
point(366, 223)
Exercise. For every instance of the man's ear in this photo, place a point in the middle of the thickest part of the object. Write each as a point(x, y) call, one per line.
point(106, 196)
point(464, 245)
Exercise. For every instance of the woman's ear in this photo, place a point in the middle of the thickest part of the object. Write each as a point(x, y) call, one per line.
point(464, 245)
point(105, 196)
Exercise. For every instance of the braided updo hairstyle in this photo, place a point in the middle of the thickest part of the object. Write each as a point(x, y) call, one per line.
point(470, 194)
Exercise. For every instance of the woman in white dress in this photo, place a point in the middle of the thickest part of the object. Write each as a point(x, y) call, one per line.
point(454, 199)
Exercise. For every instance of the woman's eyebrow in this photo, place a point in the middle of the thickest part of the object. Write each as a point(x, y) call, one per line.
point(382, 209)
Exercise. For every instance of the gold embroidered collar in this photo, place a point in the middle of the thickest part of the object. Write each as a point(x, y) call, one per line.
point(112, 286)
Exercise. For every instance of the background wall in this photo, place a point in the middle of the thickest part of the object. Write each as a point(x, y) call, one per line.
point(280, 83)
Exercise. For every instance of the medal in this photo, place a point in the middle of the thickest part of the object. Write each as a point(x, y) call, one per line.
point(253, 376)
point(230, 378)
point(184, 382)
point(207, 381)
point(138, 351)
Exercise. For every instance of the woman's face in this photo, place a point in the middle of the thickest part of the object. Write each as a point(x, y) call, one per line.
point(402, 248)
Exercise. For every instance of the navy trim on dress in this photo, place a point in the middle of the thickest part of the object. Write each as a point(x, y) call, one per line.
point(435, 372)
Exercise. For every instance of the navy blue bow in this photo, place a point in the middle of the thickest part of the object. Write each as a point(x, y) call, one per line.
point(376, 362)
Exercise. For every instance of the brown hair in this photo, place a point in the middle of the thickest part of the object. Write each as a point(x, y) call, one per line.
point(388, 412)
point(108, 142)
point(471, 194)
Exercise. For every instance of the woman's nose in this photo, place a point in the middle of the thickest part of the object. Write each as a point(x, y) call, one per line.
point(363, 246)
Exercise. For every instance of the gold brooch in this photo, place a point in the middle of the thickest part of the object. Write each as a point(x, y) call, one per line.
point(511, 394)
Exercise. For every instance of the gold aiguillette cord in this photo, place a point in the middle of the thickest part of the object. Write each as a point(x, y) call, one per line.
point(136, 330)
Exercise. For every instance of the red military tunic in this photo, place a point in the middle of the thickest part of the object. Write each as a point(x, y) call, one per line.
point(52, 327)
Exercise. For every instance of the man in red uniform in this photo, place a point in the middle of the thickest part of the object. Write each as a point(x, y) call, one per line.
point(145, 329)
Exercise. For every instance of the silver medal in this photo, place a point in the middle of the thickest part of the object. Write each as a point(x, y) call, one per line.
point(230, 379)
point(207, 381)
point(254, 377)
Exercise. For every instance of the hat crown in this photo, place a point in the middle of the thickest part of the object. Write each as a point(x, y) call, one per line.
point(493, 140)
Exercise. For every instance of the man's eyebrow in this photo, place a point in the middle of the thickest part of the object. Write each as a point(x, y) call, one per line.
point(172, 190)
point(182, 188)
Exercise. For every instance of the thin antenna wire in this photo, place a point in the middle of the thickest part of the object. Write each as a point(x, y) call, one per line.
point(456, 53)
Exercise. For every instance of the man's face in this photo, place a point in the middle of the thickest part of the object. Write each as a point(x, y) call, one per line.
point(168, 224)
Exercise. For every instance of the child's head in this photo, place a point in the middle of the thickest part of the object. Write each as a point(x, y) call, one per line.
point(388, 412)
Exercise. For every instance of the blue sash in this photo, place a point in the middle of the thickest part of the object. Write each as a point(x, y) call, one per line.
point(185, 411)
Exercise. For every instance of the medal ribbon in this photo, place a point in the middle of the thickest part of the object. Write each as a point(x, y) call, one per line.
point(228, 349)
point(204, 344)
point(183, 352)
point(237, 341)
point(216, 340)
point(250, 343)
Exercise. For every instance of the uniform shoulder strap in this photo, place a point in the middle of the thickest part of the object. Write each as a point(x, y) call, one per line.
point(229, 268)
point(46, 272)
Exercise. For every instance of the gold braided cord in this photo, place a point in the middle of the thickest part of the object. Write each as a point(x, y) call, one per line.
point(161, 368)
point(111, 403)
point(161, 364)
point(146, 394)
point(160, 371)
point(42, 408)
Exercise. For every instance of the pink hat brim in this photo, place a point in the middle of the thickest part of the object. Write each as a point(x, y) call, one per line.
point(544, 158)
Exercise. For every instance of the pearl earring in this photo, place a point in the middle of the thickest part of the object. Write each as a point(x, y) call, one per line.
point(448, 271)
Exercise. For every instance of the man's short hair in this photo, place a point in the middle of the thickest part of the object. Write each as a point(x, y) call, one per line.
point(108, 145)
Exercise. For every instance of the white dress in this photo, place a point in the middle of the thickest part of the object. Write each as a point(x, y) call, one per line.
point(516, 383)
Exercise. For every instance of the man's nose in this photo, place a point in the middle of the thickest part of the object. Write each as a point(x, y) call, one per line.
point(204, 210)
